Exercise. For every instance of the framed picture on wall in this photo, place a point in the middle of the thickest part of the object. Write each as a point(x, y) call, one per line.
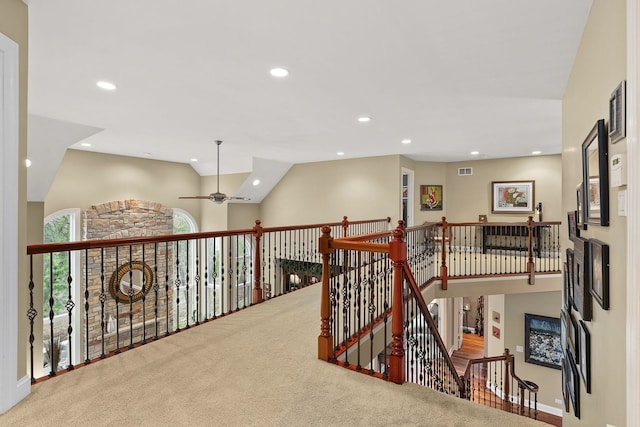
point(617, 113)
point(595, 176)
point(512, 196)
point(431, 198)
point(582, 300)
point(582, 225)
point(600, 272)
point(585, 355)
point(542, 340)
point(572, 223)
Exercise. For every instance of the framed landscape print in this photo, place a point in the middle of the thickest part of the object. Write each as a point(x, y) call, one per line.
point(542, 336)
point(512, 196)
point(600, 272)
point(431, 198)
point(595, 172)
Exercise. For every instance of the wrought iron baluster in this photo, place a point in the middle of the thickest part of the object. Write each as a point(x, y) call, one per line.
point(130, 294)
point(166, 287)
point(69, 306)
point(196, 282)
point(117, 307)
point(187, 281)
point(103, 299)
point(31, 315)
point(87, 359)
point(144, 297)
point(156, 288)
point(206, 279)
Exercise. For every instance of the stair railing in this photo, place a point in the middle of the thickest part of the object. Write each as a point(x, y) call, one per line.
point(492, 381)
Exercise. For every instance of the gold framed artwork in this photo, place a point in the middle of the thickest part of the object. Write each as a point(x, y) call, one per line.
point(431, 198)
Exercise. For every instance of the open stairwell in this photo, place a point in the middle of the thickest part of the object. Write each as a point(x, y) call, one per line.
point(257, 366)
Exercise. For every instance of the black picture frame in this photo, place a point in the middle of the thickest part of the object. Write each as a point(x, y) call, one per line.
point(573, 336)
point(570, 276)
point(585, 355)
point(600, 272)
point(564, 330)
point(582, 224)
point(572, 224)
point(542, 340)
point(573, 382)
point(582, 300)
point(595, 175)
point(566, 301)
point(565, 384)
point(617, 113)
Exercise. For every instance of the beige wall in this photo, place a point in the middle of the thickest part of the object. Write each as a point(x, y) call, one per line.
point(218, 217)
point(599, 67)
point(85, 179)
point(515, 307)
point(326, 191)
point(468, 196)
point(14, 24)
point(428, 173)
point(495, 345)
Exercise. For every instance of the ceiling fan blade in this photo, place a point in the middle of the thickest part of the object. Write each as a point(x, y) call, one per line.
point(194, 197)
point(238, 198)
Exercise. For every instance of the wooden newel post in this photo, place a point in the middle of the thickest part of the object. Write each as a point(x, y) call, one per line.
point(325, 339)
point(345, 227)
point(257, 272)
point(444, 272)
point(530, 248)
point(398, 255)
point(506, 392)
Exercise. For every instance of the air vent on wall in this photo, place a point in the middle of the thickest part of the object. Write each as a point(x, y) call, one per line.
point(465, 171)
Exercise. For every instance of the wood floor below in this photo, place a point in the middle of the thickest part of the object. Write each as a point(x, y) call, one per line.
point(473, 348)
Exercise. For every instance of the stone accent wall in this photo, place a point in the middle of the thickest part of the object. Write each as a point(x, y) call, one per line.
point(122, 219)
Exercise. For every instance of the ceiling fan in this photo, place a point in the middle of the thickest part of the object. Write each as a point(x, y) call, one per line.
point(217, 197)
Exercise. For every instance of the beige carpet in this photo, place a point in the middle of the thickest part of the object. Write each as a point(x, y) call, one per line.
point(257, 367)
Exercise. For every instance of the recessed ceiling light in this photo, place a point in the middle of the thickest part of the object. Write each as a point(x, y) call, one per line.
point(106, 85)
point(535, 153)
point(364, 119)
point(27, 162)
point(279, 72)
point(340, 153)
point(147, 154)
point(256, 182)
point(86, 144)
point(406, 141)
point(194, 160)
point(475, 153)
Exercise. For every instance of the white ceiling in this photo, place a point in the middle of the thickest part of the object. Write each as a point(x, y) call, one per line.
point(452, 76)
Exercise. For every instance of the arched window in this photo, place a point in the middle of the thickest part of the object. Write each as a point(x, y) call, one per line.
point(61, 279)
point(185, 302)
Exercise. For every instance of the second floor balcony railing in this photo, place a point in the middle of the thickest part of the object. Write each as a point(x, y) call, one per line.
point(95, 298)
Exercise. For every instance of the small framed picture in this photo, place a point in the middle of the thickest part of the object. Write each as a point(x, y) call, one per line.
point(595, 170)
point(431, 198)
point(585, 355)
point(512, 196)
point(617, 113)
point(572, 222)
point(600, 272)
point(580, 218)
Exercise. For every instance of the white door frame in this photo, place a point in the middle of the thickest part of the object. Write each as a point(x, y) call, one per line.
point(633, 214)
point(12, 390)
point(410, 181)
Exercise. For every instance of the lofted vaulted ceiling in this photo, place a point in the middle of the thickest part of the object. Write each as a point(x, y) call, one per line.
point(451, 76)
